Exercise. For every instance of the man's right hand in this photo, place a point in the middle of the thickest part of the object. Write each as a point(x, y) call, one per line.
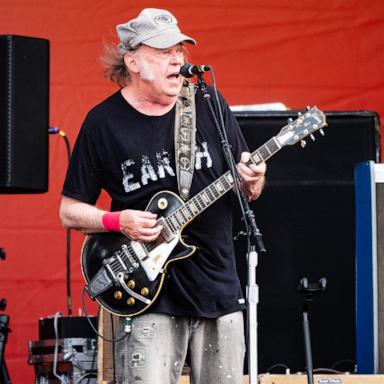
point(139, 225)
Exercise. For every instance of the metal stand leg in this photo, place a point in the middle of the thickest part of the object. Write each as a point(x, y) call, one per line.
point(309, 290)
point(252, 301)
point(308, 347)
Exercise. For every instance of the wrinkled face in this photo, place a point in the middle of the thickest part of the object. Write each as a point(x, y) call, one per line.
point(159, 69)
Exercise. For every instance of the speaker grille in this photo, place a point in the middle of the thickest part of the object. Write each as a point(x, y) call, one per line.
point(24, 106)
point(307, 217)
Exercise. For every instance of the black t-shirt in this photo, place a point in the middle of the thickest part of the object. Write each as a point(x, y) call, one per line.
point(131, 156)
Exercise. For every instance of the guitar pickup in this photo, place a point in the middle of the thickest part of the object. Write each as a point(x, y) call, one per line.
point(140, 250)
point(166, 233)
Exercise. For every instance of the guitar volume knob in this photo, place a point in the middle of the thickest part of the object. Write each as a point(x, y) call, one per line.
point(131, 284)
point(131, 301)
point(118, 295)
point(144, 291)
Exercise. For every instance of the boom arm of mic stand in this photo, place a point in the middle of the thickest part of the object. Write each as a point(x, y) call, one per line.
point(255, 234)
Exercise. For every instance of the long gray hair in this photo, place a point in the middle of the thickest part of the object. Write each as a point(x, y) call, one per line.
point(113, 61)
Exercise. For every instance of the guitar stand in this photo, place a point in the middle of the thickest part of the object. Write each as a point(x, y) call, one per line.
point(309, 289)
point(4, 330)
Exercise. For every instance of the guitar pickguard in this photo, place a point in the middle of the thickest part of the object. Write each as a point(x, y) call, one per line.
point(154, 262)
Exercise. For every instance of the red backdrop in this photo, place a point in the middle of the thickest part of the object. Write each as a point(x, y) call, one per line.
point(328, 54)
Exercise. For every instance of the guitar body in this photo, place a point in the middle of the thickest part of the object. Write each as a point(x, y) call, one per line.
point(98, 250)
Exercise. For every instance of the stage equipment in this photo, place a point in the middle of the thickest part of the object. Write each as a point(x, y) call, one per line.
point(307, 215)
point(370, 267)
point(66, 352)
point(67, 327)
point(4, 330)
point(57, 131)
point(24, 100)
point(309, 289)
point(321, 379)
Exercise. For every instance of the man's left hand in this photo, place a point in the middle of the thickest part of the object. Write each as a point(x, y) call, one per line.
point(253, 176)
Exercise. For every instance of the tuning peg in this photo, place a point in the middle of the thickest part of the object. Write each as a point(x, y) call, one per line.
point(312, 137)
point(290, 120)
point(307, 107)
point(303, 143)
point(322, 132)
point(299, 113)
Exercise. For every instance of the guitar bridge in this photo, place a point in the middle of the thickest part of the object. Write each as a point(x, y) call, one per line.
point(99, 284)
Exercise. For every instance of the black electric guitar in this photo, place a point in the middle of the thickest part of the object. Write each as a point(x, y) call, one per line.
point(126, 276)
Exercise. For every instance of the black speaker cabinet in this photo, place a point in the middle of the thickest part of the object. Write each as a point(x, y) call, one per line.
point(24, 100)
point(307, 217)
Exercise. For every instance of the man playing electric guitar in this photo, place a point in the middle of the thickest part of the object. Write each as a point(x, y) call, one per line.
point(126, 146)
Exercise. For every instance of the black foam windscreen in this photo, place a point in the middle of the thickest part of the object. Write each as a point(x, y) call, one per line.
point(24, 114)
point(307, 218)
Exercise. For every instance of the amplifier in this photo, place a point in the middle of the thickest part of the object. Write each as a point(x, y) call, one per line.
point(67, 327)
point(75, 360)
point(321, 379)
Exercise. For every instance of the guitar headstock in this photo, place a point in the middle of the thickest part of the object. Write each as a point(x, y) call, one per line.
point(305, 125)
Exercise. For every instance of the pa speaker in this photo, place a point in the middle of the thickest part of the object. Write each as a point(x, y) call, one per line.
point(24, 101)
point(307, 217)
point(369, 178)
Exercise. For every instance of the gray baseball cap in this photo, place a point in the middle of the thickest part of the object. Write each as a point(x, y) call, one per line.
point(156, 28)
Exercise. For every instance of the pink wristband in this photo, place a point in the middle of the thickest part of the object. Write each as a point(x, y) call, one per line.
point(111, 221)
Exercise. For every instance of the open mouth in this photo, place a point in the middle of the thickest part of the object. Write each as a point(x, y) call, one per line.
point(174, 76)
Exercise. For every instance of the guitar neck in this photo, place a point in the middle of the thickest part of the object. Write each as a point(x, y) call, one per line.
point(197, 204)
point(265, 152)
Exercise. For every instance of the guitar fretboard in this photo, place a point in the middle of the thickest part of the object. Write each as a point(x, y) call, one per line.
point(266, 151)
point(197, 204)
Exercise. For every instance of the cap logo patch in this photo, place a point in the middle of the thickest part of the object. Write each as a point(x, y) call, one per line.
point(163, 19)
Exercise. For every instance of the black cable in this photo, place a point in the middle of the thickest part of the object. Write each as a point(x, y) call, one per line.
point(278, 365)
point(68, 252)
point(68, 261)
point(327, 370)
point(113, 349)
point(346, 361)
point(84, 376)
point(61, 378)
point(92, 326)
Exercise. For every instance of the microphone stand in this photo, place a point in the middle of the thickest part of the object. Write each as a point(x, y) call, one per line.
point(255, 241)
point(55, 131)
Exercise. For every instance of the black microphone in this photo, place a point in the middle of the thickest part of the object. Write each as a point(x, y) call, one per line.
point(189, 70)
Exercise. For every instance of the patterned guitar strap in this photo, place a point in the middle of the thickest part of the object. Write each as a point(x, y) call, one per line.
point(185, 138)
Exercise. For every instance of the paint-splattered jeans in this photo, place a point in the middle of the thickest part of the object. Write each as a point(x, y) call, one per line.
point(155, 350)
